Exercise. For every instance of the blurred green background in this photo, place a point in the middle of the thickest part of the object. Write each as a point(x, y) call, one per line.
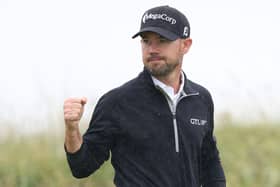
point(52, 50)
point(250, 155)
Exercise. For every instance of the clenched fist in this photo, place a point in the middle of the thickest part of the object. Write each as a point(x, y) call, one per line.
point(73, 111)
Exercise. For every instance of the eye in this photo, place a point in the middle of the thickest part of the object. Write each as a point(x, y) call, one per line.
point(144, 40)
point(163, 40)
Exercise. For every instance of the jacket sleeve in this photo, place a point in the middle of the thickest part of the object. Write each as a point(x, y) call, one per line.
point(212, 171)
point(98, 140)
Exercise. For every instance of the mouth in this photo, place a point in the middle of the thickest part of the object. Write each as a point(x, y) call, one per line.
point(155, 58)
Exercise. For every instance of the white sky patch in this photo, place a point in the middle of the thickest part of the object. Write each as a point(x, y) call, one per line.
point(55, 49)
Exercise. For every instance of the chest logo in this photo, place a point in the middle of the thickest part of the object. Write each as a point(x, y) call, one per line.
point(199, 122)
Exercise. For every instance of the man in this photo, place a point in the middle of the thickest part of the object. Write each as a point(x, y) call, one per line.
point(158, 126)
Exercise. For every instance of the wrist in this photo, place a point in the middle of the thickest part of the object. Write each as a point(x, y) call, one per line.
point(71, 126)
point(73, 140)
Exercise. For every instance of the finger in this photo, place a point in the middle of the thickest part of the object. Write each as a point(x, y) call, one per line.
point(83, 100)
point(72, 111)
point(72, 117)
point(73, 106)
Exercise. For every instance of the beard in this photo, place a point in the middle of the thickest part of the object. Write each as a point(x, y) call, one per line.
point(161, 70)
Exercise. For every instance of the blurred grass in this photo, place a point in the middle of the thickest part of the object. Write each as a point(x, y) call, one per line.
point(39, 161)
point(250, 156)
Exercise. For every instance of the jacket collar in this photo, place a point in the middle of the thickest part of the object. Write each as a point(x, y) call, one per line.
point(188, 86)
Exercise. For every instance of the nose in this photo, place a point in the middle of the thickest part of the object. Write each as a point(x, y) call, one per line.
point(153, 47)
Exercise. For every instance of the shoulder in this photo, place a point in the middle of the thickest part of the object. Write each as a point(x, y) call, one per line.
point(203, 92)
point(115, 95)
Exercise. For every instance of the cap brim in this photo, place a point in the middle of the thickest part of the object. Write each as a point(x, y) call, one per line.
point(164, 33)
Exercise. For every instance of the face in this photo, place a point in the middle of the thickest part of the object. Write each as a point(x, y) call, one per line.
point(161, 56)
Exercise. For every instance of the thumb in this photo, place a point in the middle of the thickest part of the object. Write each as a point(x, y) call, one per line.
point(83, 100)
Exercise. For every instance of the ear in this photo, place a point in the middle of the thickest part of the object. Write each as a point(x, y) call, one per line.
point(186, 45)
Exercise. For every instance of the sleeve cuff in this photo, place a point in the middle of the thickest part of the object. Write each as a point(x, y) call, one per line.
point(76, 157)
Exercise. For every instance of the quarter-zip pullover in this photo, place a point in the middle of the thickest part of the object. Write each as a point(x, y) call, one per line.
point(153, 142)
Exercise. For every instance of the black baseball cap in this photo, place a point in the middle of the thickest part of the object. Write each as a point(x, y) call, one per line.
point(166, 21)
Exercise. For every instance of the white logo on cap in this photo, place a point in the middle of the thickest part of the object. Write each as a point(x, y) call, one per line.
point(163, 17)
point(186, 31)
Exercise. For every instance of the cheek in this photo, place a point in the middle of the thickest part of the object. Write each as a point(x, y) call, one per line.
point(172, 53)
point(179, 51)
point(144, 53)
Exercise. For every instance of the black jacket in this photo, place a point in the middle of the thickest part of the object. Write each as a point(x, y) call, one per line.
point(151, 145)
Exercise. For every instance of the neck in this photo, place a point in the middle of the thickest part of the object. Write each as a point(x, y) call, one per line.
point(173, 79)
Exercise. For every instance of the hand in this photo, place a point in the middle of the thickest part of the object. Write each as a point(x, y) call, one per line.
point(73, 112)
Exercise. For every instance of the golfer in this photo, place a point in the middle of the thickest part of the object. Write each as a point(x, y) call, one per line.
point(159, 126)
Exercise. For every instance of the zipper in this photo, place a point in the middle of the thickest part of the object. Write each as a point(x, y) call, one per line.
point(175, 127)
point(173, 111)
